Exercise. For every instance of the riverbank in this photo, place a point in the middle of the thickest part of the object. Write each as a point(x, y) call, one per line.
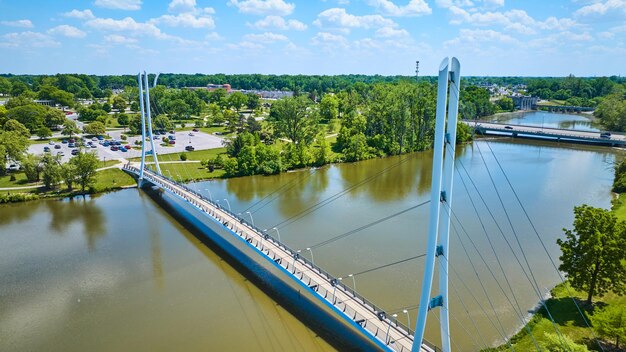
point(107, 180)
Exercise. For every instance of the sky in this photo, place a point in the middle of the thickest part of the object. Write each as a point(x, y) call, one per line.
point(386, 37)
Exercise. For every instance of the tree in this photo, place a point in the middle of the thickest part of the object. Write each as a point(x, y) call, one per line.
point(95, 128)
point(610, 322)
point(31, 116)
point(295, 119)
point(162, 123)
point(119, 103)
point(5, 86)
point(31, 164)
point(254, 102)
point(70, 128)
point(592, 253)
point(51, 171)
point(123, 119)
point(86, 165)
point(53, 118)
point(44, 132)
point(505, 104)
point(13, 145)
point(134, 106)
point(237, 100)
point(329, 107)
point(14, 125)
point(106, 107)
point(68, 175)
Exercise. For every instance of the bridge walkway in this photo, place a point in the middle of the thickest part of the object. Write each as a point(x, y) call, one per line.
point(347, 302)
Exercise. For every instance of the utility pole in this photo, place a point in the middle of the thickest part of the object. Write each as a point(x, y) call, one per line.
point(417, 70)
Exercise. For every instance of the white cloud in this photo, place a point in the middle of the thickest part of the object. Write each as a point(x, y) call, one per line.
point(602, 8)
point(133, 28)
point(182, 6)
point(119, 39)
point(27, 40)
point(18, 23)
point(119, 4)
point(277, 22)
point(560, 39)
point(245, 45)
point(513, 20)
point(413, 8)
point(388, 32)
point(67, 31)
point(81, 15)
point(263, 7)
point(212, 36)
point(329, 39)
point(473, 36)
point(267, 37)
point(337, 17)
point(185, 20)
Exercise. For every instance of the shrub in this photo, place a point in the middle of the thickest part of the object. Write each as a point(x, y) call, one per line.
point(183, 156)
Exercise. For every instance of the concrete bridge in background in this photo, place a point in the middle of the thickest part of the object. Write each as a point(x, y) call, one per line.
point(548, 134)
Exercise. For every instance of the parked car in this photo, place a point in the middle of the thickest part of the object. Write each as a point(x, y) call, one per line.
point(195, 130)
point(124, 150)
point(51, 142)
point(93, 146)
point(60, 153)
point(190, 148)
point(64, 141)
point(57, 146)
point(13, 167)
point(100, 138)
point(191, 134)
point(115, 148)
point(75, 152)
point(128, 146)
point(172, 142)
point(94, 138)
point(106, 143)
point(72, 140)
point(171, 137)
point(46, 149)
point(71, 145)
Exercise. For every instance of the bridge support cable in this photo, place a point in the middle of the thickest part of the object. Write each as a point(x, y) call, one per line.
point(534, 282)
point(518, 310)
point(278, 192)
point(440, 192)
point(376, 222)
point(337, 195)
point(502, 331)
point(545, 249)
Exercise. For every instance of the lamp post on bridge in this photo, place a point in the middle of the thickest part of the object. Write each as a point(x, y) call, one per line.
point(389, 328)
point(229, 208)
point(251, 219)
point(311, 250)
point(210, 196)
point(408, 319)
point(353, 281)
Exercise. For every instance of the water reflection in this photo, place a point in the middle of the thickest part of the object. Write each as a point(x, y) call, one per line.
point(580, 122)
point(84, 210)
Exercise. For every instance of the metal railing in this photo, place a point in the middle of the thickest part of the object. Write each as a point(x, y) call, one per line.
point(296, 256)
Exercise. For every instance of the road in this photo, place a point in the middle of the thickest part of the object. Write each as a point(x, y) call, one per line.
point(546, 131)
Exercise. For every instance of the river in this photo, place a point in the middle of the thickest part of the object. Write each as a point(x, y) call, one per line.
point(115, 272)
point(579, 122)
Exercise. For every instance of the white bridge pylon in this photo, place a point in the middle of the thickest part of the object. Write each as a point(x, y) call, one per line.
point(441, 196)
point(146, 122)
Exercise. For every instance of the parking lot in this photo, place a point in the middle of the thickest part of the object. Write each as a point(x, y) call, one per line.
point(198, 140)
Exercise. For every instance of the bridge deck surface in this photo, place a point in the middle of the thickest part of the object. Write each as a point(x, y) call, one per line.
point(353, 307)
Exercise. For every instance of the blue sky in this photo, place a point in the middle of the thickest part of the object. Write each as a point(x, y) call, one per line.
point(490, 37)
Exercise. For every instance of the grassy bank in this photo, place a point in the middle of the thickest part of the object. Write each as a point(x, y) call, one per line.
point(106, 181)
point(567, 319)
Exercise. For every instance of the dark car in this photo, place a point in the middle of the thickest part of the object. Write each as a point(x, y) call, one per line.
point(195, 130)
point(190, 148)
point(172, 142)
point(606, 135)
point(106, 143)
point(64, 141)
point(115, 148)
point(71, 145)
point(46, 149)
point(75, 152)
point(100, 138)
point(508, 127)
point(57, 146)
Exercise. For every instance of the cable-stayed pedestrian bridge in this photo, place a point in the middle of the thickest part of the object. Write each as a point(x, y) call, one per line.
point(322, 299)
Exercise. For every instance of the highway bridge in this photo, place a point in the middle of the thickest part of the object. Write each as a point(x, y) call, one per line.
point(548, 134)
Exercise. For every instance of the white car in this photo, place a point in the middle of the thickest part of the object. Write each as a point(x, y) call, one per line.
point(14, 167)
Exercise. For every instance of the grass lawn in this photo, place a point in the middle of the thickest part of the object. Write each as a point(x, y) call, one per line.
point(111, 179)
point(195, 155)
point(189, 171)
point(567, 318)
point(20, 180)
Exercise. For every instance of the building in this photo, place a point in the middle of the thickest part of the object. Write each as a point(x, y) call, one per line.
point(523, 102)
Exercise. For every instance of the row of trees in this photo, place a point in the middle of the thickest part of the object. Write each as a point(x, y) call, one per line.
point(80, 170)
